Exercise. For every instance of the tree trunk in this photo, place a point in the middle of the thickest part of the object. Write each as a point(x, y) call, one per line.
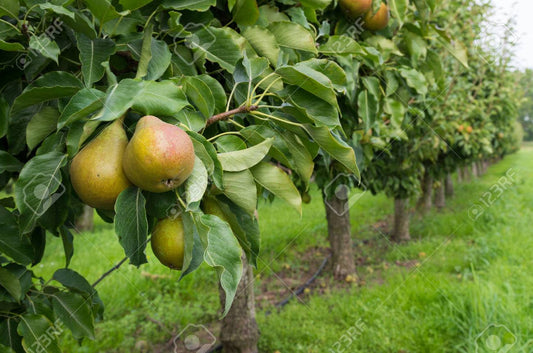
point(85, 221)
point(449, 185)
point(339, 234)
point(424, 203)
point(467, 174)
point(401, 220)
point(460, 176)
point(475, 172)
point(239, 332)
point(440, 198)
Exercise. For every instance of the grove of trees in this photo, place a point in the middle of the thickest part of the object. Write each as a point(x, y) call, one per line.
point(174, 118)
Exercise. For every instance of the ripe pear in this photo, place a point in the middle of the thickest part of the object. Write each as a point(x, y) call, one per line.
point(379, 20)
point(159, 156)
point(168, 242)
point(96, 171)
point(355, 8)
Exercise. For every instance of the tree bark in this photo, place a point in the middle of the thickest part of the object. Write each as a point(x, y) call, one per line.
point(239, 332)
point(460, 176)
point(467, 173)
point(475, 172)
point(449, 185)
point(440, 197)
point(85, 221)
point(424, 203)
point(339, 234)
point(401, 220)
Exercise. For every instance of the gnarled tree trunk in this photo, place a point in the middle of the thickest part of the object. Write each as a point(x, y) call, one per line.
point(440, 198)
point(239, 332)
point(401, 220)
point(448, 186)
point(85, 221)
point(339, 234)
point(424, 203)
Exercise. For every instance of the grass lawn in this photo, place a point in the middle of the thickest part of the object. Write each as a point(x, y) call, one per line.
point(460, 284)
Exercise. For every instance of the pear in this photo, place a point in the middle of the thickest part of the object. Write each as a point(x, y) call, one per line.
point(168, 242)
point(159, 156)
point(379, 20)
point(355, 8)
point(96, 171)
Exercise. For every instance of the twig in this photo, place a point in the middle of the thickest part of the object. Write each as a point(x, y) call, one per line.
point(229, 113)
point(107, 273)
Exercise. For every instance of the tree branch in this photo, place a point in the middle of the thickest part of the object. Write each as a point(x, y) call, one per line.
point(114, 268)
point(226, 115)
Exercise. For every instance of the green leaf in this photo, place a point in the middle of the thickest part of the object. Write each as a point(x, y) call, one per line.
point(58, 10)
point(367, 108)
point(264, 42)
point(81, 105)
point(396, 110)
point(11, 284)
point(133, 4)
point(417, 47)
point(131, 224)
point(162, 98)
point(207, 153)
point(200, 95)
point(217, 91)
point(294, 36)
point(193, 5)
point(223, 253)
point(240, 188)
point(75, 313)
point(245, 12)
point(7, 46)
point(92, 53)
point(196, 184)
point(38, 187)
point(41, 125)
point(77, 283)
point(102, 10)
point(68, 243)
point(399, 10)
point(341, 45)
point(9, 336)
point(4, 116)
point(415, 79)
point(9, 8)
point(80, 24)
point(33, 328)
point(12, 244)
point(8, 163)
point(310, 80)
point(316, 109)
point(335, 147)
point(119, 99)
point(237, 161)
point(46, 47)
point(217, 44)
point(455, 47)
point(52, 85)
point(278, 183)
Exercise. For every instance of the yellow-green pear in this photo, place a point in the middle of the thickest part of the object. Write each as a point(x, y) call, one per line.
point(168, 242)
point(159, 156)
point(355, 8)
point(379, 20)
point(96, 171)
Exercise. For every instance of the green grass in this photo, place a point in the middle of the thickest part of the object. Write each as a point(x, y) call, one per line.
point(460, 277)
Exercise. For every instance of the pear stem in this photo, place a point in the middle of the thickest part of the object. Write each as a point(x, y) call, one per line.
point(226, 115)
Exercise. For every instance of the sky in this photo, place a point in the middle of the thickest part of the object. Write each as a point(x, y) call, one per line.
point(521, 10)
